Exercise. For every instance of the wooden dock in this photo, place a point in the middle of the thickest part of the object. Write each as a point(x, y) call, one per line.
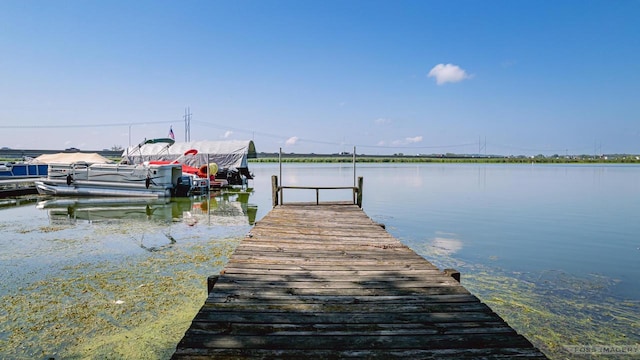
point(17, 186)
point(327, 282)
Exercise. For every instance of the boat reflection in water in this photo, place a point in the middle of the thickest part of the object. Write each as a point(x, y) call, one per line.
point(221, 208)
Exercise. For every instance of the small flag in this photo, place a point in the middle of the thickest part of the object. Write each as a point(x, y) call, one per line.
point(171, 135)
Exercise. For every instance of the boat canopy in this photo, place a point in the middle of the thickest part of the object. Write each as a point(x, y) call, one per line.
point(231, 154)
point(68, 158)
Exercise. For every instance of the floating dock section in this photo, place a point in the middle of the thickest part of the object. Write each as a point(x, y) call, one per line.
point(327, 282)
point(17, 186)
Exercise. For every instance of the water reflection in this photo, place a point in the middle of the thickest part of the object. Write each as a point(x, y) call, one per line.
point(16, 202)
point(222, 208)
point(445, 244)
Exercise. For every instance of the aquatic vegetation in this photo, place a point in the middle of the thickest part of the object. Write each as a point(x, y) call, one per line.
point(135, 308)
point(551, 319)
point(552, 309)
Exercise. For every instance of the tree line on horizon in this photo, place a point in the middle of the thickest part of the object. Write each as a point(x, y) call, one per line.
point(442, 158)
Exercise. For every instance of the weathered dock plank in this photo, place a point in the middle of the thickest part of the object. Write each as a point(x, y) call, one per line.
point(326, 282)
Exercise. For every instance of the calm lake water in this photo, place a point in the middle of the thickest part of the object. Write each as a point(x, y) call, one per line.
point(554, 249)
point(577, 219)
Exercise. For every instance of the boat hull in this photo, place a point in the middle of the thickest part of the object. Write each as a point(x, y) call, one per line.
point(110, 180)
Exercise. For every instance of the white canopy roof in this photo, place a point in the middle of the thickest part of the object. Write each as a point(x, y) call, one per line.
point(231, 154)
point(68, 158)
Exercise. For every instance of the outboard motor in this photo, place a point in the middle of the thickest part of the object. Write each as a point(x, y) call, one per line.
point(183, 187)
point(233, 177)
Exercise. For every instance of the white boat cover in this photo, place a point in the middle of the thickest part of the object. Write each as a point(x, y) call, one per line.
point(231, 154)
point(68, 158)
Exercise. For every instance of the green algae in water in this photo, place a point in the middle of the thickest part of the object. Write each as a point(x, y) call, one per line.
point(550, 318)
point(552, 309)
point(137, 308)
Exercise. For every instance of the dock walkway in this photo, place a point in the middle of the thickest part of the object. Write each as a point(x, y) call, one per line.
point(17, 186)
point(327, 282)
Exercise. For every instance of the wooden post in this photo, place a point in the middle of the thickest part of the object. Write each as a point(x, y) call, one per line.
point(317, 196)
point(453, 273)
point(274, 190)
point(354, 166)
point(360, 182)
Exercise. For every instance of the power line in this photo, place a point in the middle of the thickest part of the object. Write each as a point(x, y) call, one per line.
point(418, 147)
point(70, 126)
point(284, 138)
point(312, 141)
point(539, 149)
point(227, 127)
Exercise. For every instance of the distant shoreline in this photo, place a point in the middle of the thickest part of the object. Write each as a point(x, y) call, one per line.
point(16, 155)
point(313, 158)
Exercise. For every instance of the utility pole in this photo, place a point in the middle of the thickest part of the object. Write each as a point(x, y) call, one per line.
point(481, 146)
point(187, 124)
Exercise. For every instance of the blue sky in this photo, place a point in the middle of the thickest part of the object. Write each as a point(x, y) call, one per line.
point(524, 77)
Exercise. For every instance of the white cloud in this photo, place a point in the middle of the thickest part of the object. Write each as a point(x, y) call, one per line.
point(227, 134)
point(291, 141)
point(382, 121)
point(508, 63)
point(407, 141)
point(445, 73)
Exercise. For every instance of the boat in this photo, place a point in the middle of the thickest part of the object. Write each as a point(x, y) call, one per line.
point(107, 179)
point(38, 167)
point(22, 170)
point(230, 157)
point(202, 177)
point(17, 178)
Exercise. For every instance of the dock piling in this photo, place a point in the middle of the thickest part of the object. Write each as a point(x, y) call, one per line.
point(359, 191)
point(453, 273)
point(274, 190)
